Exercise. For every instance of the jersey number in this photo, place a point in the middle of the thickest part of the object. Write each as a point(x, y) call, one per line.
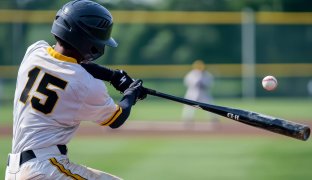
point(42, 88)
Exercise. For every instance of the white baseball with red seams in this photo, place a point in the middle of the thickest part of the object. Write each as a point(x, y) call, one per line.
point(269, 83)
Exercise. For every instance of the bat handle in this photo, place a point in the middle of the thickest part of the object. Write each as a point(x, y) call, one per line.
point(169, 97)
point(150, 91)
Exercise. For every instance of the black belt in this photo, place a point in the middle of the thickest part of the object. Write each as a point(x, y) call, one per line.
point(29, 154)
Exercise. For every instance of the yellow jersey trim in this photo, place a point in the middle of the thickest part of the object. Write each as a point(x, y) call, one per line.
point(113, 117)
point(67, 172)
point(60, 56)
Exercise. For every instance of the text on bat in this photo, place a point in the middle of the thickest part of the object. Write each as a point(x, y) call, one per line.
point(232, 116)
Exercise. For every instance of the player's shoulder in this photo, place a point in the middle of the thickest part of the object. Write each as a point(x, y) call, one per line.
point(37, 45)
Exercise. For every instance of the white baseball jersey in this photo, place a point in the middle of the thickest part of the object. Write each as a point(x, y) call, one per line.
point(198, 85)
point(53, 95)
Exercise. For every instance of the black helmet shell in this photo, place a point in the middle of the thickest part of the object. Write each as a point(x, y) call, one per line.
point(86, 26)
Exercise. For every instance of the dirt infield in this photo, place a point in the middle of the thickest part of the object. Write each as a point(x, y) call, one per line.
point(141, 128)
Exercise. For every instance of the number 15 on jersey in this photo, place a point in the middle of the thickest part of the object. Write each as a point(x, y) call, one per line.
point(43, 89)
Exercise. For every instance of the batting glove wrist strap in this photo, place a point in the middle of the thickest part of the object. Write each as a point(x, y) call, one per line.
point(136, 89)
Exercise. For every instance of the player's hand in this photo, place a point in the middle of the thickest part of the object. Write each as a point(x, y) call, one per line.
point(137, 90)
point(120, 80)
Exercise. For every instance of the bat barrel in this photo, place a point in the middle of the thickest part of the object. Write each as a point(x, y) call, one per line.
point(303, 133)
point(298, 131)
point(280, 126)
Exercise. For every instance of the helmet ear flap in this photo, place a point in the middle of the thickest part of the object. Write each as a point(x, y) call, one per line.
point(94, 50)
point(96, 53)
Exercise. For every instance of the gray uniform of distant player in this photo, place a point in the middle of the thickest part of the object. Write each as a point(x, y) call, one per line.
point(198, 83)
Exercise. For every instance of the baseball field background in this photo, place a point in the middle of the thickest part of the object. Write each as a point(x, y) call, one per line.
point(240, 42)
point(149, 153)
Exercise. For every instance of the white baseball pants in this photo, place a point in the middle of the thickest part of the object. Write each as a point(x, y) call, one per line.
point(50, 164)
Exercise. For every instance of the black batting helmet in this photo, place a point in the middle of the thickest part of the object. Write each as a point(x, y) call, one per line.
point(86, 26)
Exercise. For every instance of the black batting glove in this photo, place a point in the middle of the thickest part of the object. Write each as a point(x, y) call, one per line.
point(120, 80)
point(136, 89)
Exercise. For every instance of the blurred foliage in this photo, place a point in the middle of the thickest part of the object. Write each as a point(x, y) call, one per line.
point(176, 5)
point(173, 44)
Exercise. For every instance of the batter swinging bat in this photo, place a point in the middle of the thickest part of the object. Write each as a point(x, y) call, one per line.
point(281, 126)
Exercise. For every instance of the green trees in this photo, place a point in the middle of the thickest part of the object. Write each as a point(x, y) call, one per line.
point(173, 43)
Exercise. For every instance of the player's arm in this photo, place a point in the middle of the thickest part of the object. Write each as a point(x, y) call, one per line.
point(131, 95)
point(118, 78)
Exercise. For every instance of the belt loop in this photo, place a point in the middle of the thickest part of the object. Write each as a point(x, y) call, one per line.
point(63, 149)
point(26, 156)
point(14, 163)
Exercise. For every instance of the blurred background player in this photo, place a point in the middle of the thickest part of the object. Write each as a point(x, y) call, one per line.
point(309, 87)
point(1, 91)
point(55, 93)
point(199, 83)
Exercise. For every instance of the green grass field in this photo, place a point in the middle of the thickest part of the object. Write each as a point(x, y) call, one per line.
point(226, 158)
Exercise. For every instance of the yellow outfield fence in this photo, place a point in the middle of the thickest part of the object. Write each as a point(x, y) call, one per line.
point(178, 71)
point(166, 17)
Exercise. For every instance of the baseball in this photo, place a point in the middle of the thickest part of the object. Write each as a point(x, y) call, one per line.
point(269, 83)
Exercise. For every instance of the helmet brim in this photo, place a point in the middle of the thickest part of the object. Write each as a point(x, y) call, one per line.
point(111, 42)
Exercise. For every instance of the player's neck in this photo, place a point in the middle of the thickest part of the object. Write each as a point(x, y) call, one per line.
point(67, 52)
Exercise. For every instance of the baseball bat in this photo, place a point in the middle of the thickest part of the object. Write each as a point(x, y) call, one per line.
point(280, 126)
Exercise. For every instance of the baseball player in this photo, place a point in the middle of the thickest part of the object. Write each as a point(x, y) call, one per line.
point(198, 82)
point(54, 93)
